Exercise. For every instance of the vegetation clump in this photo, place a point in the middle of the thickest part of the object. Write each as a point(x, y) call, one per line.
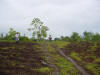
point(87, 54)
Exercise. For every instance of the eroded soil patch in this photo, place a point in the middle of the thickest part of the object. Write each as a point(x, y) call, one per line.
point(20, 59)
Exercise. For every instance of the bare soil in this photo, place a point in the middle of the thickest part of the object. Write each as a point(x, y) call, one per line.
point(20, 59)
point(86, 50)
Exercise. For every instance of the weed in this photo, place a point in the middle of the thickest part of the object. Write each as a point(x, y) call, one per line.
point(97, 60)
point(75, 56)
point(5, 48)
point(66, 67)
point(93, 68)
point(42, 69)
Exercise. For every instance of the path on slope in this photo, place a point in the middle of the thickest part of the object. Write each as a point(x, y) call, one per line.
point(84, 72)
point(57, 70)
point(51, 64)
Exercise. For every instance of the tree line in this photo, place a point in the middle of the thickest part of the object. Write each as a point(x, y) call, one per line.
point(86, 36)
point(39, 32)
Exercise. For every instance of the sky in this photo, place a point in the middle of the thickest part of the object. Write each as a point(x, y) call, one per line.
point(61, 16)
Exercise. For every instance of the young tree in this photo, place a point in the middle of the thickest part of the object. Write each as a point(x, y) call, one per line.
point(44, 30)
point(11, 33)
point(75, 37)
point(88, 36)
point(6, 37)
point(38, 29)
point(96, 37)
point(1, 36)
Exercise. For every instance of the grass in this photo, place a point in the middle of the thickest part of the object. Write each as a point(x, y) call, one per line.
point(50, 49)
point(75, 56)
point(66, 67)
point(7, 40)
point(93, 68)
point(93, 48)
point(87, 57)
point(59, 44)
point(97, 60)
point(5, 48)
point(43, 69)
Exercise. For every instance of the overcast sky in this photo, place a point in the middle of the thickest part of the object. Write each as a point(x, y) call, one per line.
point(61, 16)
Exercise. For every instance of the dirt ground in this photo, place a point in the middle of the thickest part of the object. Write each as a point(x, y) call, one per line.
point(25, 58)
point(88, 53)
point(20, 59)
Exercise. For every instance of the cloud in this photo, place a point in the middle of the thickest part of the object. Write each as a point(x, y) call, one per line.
point(62, 16)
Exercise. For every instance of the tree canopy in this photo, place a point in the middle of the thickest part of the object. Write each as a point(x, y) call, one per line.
point(39, 30)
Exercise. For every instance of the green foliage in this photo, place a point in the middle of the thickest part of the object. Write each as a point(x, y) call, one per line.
point(93, 49)
point(42, 69)
point(88, 36)
point(93, 68)
point(23, 38)
point(67, 68)
point(96, 37)
point(11, 34)
point(6, 37)
point(38, 29)
point(1, 36)
point(97, 60)
point(59, 44)
point(57, 39)
point(4, 48)
point(75, 56)
point(43, 31)
point(75, 37)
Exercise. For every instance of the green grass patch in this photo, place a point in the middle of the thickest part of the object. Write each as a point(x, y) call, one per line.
point(7, 40)
point(67, 68)
point(75, 56)
point(13, 47)
point(94, 68)
point(4, 48)
point(43, 69)
point(60, 44)
point(97, 60)
point(50, 49)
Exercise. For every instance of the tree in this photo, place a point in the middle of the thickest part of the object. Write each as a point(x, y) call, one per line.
point(96, 37)
point(6, 37)
point(67, 38)
point(88, 36)
point(57, 39)
point(44, 30)
point(11, 33)
point(38, 29)
point(24, 38)
point(75, 37)
point(1, 36)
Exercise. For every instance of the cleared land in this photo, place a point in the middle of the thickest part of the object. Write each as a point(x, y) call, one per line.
point(86, 54)
point(42, 58)
point(21, 59)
